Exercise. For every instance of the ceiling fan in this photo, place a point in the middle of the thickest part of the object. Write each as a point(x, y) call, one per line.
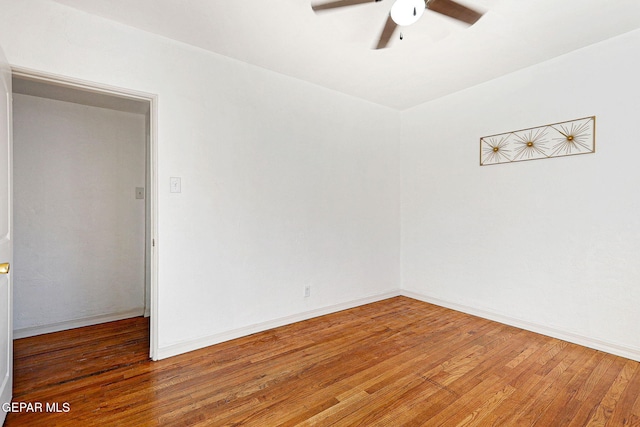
point(406, 12)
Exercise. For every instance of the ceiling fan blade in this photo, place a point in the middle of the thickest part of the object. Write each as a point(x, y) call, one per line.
point(340, 3)
point(387, 33)
point(454, 10)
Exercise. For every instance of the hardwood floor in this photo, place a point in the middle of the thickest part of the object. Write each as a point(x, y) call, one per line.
point(398, 362)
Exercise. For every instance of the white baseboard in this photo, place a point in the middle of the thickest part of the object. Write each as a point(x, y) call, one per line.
point(184, 347)
point(76, 323)
point(608, 347)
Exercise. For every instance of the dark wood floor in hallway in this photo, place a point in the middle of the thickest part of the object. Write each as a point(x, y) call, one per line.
point(398, 362)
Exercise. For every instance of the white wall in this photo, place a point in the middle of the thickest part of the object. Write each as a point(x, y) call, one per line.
point(287, 184)
point(79, 230)
point(284, 183)
point(550, 243)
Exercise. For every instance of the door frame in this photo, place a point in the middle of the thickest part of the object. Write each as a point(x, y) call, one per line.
point(151, 241)
point(6, 378)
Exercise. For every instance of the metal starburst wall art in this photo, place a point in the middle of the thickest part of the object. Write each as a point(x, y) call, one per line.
point(556, 140)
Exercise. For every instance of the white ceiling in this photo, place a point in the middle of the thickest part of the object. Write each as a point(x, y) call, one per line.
point(438, 56)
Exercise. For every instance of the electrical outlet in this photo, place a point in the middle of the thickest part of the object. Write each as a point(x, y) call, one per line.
point(307, 291)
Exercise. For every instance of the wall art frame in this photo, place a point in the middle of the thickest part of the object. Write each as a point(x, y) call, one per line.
point(569, 138)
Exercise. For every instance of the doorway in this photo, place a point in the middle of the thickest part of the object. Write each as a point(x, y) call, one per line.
point(88, 240)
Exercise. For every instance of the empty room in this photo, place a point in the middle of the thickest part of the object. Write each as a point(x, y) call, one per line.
point(349, 213)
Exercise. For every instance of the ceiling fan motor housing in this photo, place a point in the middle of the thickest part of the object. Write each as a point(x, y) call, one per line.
point(407, 12)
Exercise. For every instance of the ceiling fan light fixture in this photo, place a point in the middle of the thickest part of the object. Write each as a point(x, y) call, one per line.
point(406, 12)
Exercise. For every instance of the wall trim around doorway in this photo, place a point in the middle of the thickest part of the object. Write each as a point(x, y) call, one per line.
point(152, 192)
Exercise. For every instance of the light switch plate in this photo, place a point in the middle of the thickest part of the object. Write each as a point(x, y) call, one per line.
point(175, 184)
point(139, 192)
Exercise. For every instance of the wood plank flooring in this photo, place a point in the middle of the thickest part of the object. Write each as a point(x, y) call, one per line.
point(398, 362)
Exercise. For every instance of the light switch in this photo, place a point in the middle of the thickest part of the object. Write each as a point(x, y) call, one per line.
point(139, 192)
point(175, 184)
